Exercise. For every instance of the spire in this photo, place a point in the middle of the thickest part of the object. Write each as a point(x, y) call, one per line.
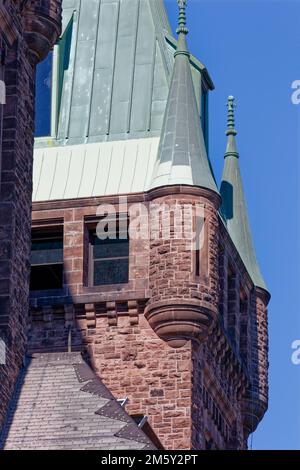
point(234, 208)
point(182, 157)
point(182, 18)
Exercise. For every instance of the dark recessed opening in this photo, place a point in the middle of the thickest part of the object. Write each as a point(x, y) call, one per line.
point(46, 277)
point(46, 261)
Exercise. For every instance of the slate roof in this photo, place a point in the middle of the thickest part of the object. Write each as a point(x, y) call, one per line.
point(60, 404)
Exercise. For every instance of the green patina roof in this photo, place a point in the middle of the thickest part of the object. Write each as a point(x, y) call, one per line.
point(112, 70)
point(234, 208)
point(182, 156)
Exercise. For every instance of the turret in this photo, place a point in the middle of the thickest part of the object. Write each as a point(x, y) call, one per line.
point(30, 30)
point(234, 211)
point(183, 273)
point(42, 26)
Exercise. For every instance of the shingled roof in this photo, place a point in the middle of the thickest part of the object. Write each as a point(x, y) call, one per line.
point(60, 404)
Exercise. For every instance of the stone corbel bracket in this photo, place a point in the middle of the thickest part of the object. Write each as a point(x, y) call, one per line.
point(42, 26)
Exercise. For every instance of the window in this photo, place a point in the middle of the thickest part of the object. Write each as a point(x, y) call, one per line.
point(108, 260)
point(49, 84)
point(46, 260)
point(43, 97)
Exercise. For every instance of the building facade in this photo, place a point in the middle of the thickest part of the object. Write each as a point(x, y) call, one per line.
point(138, 260)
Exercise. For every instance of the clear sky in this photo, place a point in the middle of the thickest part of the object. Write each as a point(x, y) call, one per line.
point(252, 50)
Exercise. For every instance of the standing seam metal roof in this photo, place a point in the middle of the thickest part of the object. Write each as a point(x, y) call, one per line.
point(111, 72)
point(116, 80)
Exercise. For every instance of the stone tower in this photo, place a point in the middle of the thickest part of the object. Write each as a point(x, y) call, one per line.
point(138, 261)
point(28, 30)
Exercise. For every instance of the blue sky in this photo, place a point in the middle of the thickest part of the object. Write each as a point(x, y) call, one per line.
point(251, 49)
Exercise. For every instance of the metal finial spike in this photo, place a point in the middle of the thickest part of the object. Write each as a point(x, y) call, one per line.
point(230, 116)
point(182, 17)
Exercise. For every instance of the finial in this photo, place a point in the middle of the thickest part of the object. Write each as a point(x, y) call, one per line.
point(230, 117)
point(231, 149)
point(182, 18)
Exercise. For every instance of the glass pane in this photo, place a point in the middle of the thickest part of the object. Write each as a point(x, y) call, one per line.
point(39, 257)
point(111, 272)
point(110, 248)
point(43, 97)
point(51, 244)
point(47, 251)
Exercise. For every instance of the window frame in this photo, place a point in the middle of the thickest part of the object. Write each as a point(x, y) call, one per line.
point(89, 259)
point(54, 230)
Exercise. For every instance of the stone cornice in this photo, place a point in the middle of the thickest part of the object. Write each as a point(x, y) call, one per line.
point(131, 198)
point(185, 190)
point(263, 294)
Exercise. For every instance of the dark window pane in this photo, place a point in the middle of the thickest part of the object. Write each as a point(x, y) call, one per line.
point(43, 97)
point(110, 248)
point(46, 277)
point(46, 257)
point(47, 249)
point(110, 272)
point(47, 244)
